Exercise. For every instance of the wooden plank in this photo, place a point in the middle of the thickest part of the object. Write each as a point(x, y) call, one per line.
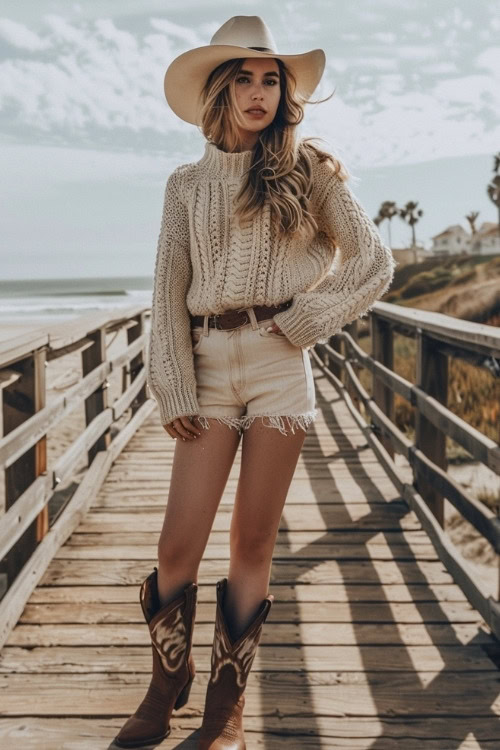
point(358, 491)
point(417, 540)
point(379, 572)
point(311, 633)
point(117, 659)
point(369, 693)
point(315, 551)
point(322, 517)
point(270, 731)
point(286, 610)
point(297, 592)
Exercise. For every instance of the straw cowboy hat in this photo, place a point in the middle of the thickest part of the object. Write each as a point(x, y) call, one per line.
point(241, 36)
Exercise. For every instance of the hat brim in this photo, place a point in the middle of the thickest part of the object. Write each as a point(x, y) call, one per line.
point(187, 74)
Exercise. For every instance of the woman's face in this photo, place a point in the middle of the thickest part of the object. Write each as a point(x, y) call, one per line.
point(257, 88)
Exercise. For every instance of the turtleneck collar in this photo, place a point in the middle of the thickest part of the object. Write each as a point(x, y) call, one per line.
point(225, 163)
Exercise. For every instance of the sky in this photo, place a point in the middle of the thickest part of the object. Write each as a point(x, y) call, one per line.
point(87, 139)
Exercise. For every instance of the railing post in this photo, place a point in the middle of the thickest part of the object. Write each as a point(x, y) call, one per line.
point(383, 351)
point(23, 398)
point(137, 363)
point(336, 343)
point(432, 377)
point(352, 330)
point(98, 400)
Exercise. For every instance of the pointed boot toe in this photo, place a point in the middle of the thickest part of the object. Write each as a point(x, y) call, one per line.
point(222, 727)
point(171, 633)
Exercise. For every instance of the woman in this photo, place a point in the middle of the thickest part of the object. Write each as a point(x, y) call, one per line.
point(242, 290)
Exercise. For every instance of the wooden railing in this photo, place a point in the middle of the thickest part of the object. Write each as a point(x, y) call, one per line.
point(27, 543)
point(438, 337)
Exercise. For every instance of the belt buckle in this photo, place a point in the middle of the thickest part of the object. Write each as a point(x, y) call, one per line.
point(214, 316)
point(245, 310)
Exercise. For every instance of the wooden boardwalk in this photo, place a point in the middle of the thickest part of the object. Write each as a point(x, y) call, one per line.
point(369, 644)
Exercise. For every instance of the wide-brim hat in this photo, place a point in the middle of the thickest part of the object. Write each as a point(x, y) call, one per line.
point(240, 36)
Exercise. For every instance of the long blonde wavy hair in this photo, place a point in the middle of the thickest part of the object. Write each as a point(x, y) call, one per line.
point(280, 171)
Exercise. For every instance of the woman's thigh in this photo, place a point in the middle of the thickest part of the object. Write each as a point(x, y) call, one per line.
point(268, 463)
point(199, 475)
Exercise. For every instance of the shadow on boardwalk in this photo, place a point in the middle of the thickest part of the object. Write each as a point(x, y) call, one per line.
point(369, 644)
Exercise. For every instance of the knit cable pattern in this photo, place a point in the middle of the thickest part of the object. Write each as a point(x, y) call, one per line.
point(170, 370)
point(362, 270)
point(208, 262)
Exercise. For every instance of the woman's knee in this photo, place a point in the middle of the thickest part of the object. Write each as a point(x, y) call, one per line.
point(252, 547)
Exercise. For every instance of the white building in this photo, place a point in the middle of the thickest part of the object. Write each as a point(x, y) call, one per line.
point(454, 240)
point(486, 241)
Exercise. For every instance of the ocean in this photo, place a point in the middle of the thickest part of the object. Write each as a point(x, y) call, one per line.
point(45, 300)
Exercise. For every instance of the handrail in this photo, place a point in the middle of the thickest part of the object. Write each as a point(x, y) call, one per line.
point(438, 337)
point(27, 542)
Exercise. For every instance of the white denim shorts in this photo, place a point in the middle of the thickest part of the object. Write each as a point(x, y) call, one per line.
point(247, 373)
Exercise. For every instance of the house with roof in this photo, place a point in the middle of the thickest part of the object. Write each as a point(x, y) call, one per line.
point(454, 240)
point(486, 241)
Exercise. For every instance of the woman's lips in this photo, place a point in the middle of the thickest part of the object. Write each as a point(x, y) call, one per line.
point(255, 112)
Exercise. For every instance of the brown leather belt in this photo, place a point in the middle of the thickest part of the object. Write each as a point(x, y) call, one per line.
point(237, 318)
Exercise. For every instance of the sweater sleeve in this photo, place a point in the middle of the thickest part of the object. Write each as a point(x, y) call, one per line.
point(361, 272)
point(170, 372)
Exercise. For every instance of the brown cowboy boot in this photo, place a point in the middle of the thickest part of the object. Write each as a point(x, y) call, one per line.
point(171, 631)
point(222, 727)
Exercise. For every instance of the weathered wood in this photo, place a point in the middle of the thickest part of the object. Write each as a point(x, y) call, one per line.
point(22, 399)
point(13, 602)
point(272, 731)
point(379, 572)
point(474, 589)
point(432, 378)
point(368, 693)
point(30, 432)
point(136, 367)
point(20, 515)
point(383, 352)
point(465, 334)
point(97, 402)
point(298, 592)
point(284, 610)
point(16, 597)
point(312, 633)
point(370, 640)
point(110, 659)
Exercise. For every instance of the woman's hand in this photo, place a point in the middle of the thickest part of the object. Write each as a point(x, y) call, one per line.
point(274, 329)
point(182, 427)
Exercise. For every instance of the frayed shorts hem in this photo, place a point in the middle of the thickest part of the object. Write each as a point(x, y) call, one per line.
point(276, 421)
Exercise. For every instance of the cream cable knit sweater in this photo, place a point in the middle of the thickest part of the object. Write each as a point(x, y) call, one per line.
point(207, 262)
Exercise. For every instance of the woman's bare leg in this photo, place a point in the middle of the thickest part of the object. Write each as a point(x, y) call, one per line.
point(268, 462)
point(199, 475)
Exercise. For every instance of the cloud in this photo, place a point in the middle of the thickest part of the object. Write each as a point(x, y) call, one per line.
point(18, 35)
point(100, 76)
point(184, 33)
point(399, 96)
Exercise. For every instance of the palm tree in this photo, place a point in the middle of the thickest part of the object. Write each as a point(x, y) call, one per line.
point(387, 210)
point(493, 189)
point(410, 214)
point(471, 218)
